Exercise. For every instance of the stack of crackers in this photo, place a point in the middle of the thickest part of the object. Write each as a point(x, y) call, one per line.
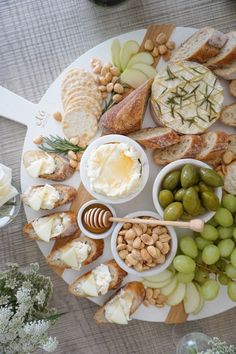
point(82, 103)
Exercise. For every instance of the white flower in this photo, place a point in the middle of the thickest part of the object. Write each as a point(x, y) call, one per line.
point(40, 297)
point(23, 295)
point(49, 345)
point(36, 328)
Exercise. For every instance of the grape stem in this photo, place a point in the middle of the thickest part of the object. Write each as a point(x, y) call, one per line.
point(215, 271)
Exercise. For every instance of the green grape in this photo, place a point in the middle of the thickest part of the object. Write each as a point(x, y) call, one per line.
point(225, 232)
point(201, 276)
point(233, 258)
point(234, 232)
point(210, 254)
point(226, 247)
point(184, 264)
point(221, 264)
point(210, 289)
point(188, 246)
point(230, 271)
point(223, 279)
point(209, 233)
point(231, 291)
point(198, 259)
point(212, 222)
point(185, 278)
point(229, 202)
point(224, 217)
point(202, 243)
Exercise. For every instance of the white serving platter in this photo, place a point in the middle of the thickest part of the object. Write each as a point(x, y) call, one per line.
point(38, 119)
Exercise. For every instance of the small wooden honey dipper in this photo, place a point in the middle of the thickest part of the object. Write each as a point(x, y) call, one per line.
point(100, 219)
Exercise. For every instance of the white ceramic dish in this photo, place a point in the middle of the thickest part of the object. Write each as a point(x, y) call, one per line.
point(87, 232)
point(175, 166)
point(114, 138)
point(160, 267)
point(38, 120)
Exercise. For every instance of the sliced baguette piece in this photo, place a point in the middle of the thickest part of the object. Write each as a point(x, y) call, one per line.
point(232, 88)
point(116, 272)
point(70, 226)
point(232, 144)
point(230, 179)
point(214, 145)
point(226, 54)
point(134, 289)
point(228, 115)
point(202, 45)
point(155, 138)
point(63, 169)
point(66, 194)
point(189, 146)
point(227, 72)
point(61, 246)
point(127, 116)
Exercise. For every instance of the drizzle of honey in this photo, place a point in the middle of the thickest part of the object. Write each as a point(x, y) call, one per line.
point(91, 229)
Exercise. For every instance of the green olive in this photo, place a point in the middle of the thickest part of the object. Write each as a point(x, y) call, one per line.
point(197, 188)
point(173, 211)
point(210, 200)
point(189, 176)
point(186, 217)
point(165, 197)
point(171, 180)
point(203, 187)
point(191, 201)
point(210, 177)
point(180, 194)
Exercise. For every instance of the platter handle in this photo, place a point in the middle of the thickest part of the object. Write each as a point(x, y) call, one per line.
point(15, 107)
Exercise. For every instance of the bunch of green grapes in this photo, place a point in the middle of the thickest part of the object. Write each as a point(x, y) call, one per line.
point(209, 259)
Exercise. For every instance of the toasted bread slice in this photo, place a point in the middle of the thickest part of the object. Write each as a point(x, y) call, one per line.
point(155, 138)
point(189, 146)
point(202, 45)
point(227, 72)
point(62, 171)
point(117, 275)
point(134, 289)
point(127, 116)
point(226, 54)
point(228, 115)
point(232, 88)
point(232, 144)
point(66, 195)
point(215, 161)
point(54, 258)
point(67, 219)
point(214, 145)
point(230, 179)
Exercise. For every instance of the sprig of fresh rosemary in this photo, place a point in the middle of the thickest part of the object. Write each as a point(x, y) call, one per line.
point(58, 145)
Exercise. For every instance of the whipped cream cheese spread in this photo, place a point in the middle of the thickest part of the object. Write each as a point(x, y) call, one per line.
point(114, 170)
point(76, 255)
point(97, 282)
point(42, 197)
point(7, 191)
point(50, 226)
point(45, 165)
point(117, 310)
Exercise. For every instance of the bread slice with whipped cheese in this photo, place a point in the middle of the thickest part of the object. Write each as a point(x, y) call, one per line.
point(228, 115)
point(75, 252)
point(122, 305)
point(228, 71)
point(48, 197)
point(226, 54)
point(189, 146)
point(47, 165)
point(155, 138)
point(105, 277)
point(214, 145)
point(52, 226)
point(202, 45)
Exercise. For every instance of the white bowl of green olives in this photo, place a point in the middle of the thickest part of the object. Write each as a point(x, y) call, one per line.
point(187, 189)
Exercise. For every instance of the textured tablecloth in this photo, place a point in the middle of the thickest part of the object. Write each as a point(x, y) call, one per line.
point(38, 39)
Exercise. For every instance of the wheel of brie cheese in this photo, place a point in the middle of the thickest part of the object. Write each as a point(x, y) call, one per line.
point(186, 97)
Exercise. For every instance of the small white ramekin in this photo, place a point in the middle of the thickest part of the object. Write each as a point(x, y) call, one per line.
point(89, 233)
point(174, 166)
point(114, 138)
point(160, 267)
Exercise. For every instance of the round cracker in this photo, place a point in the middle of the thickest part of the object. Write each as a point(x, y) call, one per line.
point(84, 101)
point(83, 91)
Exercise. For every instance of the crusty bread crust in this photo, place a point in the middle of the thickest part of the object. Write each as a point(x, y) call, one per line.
point(28, 229)
point(127, 116)
point(229, 56)
point(67, 194)
point(168, 137)
point(97, 247)
point(118, 275)
point(138, 291)
point(227, 72)
point(63, 169)
point(230, 121)
point(217, 149)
